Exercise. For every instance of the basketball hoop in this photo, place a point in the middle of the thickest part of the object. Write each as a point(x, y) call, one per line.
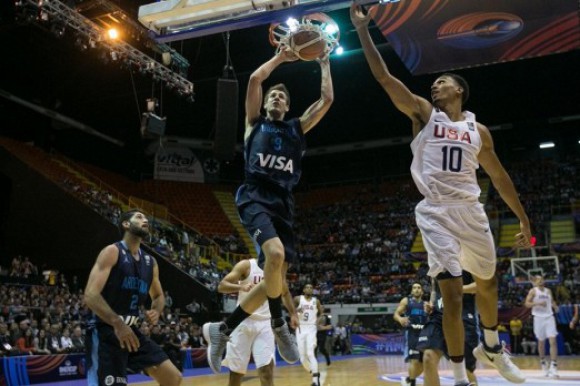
point(318, 23)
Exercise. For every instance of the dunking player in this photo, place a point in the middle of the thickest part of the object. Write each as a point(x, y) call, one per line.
point(273, 154)
point(543, 306)
point(308, 308)
point(120, 282)
point(432, 341)
point(411, 315)
point(254, 335)
point(446, 154)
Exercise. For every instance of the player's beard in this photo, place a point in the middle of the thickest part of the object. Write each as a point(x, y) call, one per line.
point(138, 231)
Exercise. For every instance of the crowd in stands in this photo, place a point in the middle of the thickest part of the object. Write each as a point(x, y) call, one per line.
point(184, 249)
point(51, 318)
point(354, 250)
point(546, 189)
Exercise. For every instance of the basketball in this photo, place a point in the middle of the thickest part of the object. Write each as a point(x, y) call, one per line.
point(308, 45)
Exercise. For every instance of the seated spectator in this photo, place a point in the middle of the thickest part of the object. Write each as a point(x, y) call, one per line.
point(66, 340)
point(78, 340)
point(6, 342)
point(54, 341)
point(41, 343)
point(25, 344)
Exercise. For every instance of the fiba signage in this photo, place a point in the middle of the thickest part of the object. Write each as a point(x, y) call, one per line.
point(177, 163)
point(67, 369)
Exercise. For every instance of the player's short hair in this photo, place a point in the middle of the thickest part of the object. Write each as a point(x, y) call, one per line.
point(279, 87)
point(462, 83)
point(126, 216)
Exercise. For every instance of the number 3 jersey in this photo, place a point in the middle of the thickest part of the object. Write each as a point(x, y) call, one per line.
point(445, 158)
point(274, 151)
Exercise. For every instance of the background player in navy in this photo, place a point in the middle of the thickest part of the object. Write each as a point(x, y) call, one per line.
point(432, 342)
point(449, 146)
point(411, 315)
point(273, 152)
point(120, 282)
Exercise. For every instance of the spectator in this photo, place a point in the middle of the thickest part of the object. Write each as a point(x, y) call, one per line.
point(66, 341)
point(78, 340)
point(25, 344)
point(41, 343)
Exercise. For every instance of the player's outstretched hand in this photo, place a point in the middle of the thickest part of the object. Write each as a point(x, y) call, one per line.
point(152, 316)
point(523, 238)
point(287, 54)
point(358, 17)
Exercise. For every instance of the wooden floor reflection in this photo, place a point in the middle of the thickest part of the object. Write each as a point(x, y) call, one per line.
point(388, 370)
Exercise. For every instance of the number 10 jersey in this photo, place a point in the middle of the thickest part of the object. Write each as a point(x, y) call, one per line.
point(445, 158)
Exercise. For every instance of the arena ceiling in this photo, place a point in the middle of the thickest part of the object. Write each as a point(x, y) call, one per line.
point(55, 72)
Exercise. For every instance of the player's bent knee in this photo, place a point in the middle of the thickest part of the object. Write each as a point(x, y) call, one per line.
point(430, 358)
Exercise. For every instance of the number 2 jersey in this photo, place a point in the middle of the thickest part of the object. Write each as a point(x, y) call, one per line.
point(127, 287)
point(445, 158)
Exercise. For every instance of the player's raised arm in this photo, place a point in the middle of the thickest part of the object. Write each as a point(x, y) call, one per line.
point(413, 106)
point(254, 93)
point(503, 183)
point(230, 283)
point(318, 109)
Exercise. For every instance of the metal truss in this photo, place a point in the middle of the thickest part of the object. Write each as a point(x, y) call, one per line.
point(57, 12)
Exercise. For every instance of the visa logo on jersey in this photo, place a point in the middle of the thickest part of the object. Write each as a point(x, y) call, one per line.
point(445, 132)
point(276, 162)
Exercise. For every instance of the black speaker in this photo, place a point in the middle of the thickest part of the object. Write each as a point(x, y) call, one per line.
point(226, 122)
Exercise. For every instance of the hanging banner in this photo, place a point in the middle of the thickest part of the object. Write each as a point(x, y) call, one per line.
point(440, 35)
point(175, 162)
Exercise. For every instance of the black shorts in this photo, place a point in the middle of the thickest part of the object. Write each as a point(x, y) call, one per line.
point(267, 212)
point(411, 341)
point(432, 337)
point(114, 361)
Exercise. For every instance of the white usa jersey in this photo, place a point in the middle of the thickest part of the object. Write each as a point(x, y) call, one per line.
point(255, 277)
point(445, 158)
point(539, 297)
point(308, 311)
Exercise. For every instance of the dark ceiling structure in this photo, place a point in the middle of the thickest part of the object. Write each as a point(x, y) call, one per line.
point(52, 69)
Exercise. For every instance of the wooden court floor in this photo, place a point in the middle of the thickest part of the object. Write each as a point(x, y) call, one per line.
point(387, 370)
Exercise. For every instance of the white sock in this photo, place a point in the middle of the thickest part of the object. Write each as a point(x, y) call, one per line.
point(459, 372)
point(490, 337)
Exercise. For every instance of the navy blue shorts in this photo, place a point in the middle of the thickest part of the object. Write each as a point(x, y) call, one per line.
point(267, 213)
point(114, 361)
point(432, 338)
point(411, 341)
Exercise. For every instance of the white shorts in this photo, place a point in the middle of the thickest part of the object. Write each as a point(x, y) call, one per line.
point(306, 338)
point(252, 337)
point(545, 327)
point(456, 237)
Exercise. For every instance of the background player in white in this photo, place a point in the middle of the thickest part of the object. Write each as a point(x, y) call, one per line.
point(447, 150)
point(308, 308)
point(412, 316)
point(543, 306)
point(253, 336)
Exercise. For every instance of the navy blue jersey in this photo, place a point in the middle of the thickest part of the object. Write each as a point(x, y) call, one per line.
point(416, 312)
point(274, 151)
point(565, 313)
point(127, 287)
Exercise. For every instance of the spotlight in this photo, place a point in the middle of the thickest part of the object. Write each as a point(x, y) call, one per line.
point(330, 29)
point(113, 33)
point(292, 24)
point(547, 145)
point(339, 50)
